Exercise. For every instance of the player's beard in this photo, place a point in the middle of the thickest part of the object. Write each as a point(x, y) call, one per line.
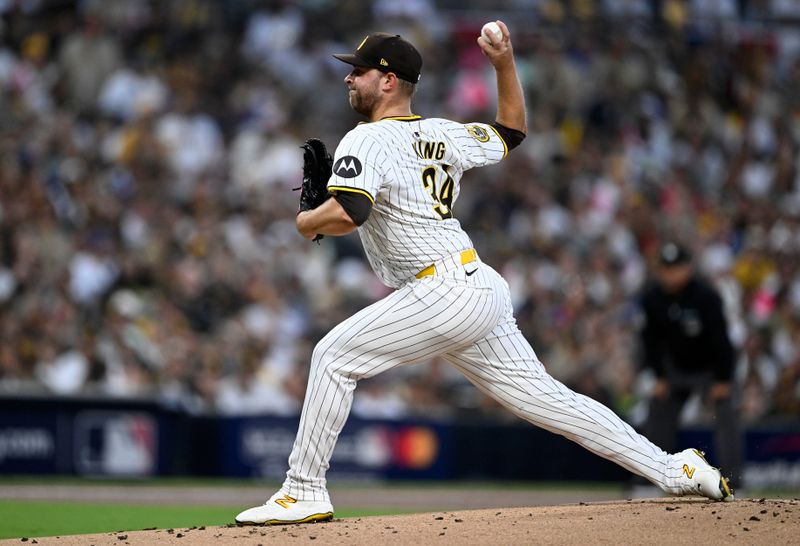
point(364, 100)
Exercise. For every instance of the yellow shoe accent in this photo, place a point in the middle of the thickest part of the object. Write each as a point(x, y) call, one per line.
point(327, 516)
point(287, 500)
point(727, 490)
point(700, 454)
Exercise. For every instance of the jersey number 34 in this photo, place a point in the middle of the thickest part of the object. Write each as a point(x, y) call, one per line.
point(442, 193)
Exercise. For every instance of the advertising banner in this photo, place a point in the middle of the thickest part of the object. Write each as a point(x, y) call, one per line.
point(115, 443)
point(137, 439)
point(773, 459)
point(365, 449)
point(29, 444)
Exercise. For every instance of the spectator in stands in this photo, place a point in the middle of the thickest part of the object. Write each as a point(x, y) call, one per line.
point(148, 149)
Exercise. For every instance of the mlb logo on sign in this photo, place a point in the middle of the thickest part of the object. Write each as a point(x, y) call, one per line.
point(115, 443)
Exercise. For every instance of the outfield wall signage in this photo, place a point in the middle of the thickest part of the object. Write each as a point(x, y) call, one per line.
point(365, 449)
point(139, 439)
point(115, 443)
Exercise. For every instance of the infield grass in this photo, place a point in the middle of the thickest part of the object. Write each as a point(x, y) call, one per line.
point(40, 519)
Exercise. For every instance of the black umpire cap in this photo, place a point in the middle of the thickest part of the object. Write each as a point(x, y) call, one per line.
point(672, 253)
point(387, 53)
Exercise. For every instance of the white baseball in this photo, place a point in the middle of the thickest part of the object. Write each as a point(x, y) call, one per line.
point(491, 31)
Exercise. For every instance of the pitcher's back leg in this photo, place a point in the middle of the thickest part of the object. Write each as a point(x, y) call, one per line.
point(504, 366)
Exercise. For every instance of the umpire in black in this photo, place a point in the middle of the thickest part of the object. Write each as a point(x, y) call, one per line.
point(685, 342)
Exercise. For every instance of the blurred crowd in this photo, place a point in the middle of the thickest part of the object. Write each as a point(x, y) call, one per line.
point(148, 150)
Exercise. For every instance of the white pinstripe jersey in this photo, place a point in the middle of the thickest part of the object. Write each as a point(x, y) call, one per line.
point(410, 168)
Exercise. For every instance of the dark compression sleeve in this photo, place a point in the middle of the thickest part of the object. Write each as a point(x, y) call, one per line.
point(512, 137)
point(356, 205)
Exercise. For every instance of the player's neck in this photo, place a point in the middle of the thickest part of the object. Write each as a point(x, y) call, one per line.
point(391, 110)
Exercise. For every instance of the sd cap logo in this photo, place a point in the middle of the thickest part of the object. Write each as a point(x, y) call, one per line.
point(347, 167)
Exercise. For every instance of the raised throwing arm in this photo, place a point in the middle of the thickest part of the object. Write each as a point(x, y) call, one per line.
point(511, 100)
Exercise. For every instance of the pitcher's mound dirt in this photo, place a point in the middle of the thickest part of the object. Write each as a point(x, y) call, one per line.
point(657, 521)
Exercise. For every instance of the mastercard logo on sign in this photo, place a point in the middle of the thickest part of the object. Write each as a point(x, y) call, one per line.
point(415, 447)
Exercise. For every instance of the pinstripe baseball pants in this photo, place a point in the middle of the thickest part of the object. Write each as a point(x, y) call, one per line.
point(464, 315)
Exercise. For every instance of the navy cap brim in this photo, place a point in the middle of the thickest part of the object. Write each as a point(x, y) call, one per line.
point(351, 59)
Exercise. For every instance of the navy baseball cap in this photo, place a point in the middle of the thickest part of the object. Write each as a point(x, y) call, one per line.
point(672, 253)
point(387, 53)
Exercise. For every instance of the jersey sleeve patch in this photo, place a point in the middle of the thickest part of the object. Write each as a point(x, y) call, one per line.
point(348, 167)
point(478, 133)
point(480, 144)
point(358, 162)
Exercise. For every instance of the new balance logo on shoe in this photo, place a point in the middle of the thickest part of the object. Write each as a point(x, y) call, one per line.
point(688, 471)
point(287, 500)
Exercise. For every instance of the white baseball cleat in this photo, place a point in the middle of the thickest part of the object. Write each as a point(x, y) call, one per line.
point(700, 478)
point(282, 509)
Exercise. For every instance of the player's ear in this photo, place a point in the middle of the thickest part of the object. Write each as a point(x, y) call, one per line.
point(389, 81)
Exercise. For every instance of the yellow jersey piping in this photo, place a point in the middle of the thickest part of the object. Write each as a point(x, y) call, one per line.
point(393, 118)
point(402, 118)
point(354, 190)
point(505, 146)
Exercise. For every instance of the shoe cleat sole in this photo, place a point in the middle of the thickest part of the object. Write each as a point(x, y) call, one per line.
point(314, 518)
point(726, 490)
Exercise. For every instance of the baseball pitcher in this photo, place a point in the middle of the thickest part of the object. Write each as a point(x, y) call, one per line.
point(396, 179)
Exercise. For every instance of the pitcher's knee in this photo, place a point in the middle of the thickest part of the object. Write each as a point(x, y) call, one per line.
point(327, 359)
point(320, 357)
